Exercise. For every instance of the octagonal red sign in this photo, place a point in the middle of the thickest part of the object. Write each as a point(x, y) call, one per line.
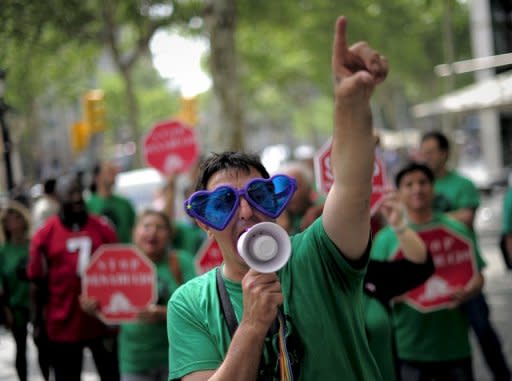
point(170, 147)
point(455, 265)
point(208, 256)
point(324, 178)
point(122, 280)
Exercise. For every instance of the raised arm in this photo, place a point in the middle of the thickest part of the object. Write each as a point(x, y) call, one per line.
point(412, 245)
point(357, 69)
point(464, 215)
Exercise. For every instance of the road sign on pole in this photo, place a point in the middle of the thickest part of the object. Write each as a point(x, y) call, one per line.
point(170, 147)
point(122, 280)
point(208, 256)
point(324, 178)
point(455, 266)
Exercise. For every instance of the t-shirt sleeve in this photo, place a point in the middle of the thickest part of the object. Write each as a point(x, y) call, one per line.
point(384, 280)
point(190, 346)
point(469, 197)
point(315, 251)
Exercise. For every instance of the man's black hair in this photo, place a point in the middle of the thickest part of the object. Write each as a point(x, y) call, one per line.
point(49, 185)
point(228, 161)
point(414, 167)
point(440, 138)
point(65, 184)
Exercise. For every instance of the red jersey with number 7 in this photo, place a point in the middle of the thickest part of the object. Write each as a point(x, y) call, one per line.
point(61, 255)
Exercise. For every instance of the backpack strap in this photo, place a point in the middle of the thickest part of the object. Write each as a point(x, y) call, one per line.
point(174, 267)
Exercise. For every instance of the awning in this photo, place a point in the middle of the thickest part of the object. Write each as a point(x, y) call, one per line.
point(491, 93)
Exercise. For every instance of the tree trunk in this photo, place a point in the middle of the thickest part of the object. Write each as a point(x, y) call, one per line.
point(133, 113)
point(228, 128)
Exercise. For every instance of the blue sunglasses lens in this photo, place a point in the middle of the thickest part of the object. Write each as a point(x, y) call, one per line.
point(214, 208)
point(271, 196)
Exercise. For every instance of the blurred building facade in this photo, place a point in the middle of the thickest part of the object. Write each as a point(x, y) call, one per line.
point(483, 111)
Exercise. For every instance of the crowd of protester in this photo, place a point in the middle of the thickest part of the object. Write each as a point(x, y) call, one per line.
point(339, 307)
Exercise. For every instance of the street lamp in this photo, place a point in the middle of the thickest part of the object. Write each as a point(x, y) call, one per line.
point(5, 134)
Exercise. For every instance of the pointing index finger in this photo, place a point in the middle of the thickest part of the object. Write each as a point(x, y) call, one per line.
point(339, 48)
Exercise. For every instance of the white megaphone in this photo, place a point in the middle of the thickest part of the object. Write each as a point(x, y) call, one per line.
point(265, 247)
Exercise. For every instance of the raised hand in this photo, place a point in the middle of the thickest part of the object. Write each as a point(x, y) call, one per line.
point(393, 210)
point(358, 68)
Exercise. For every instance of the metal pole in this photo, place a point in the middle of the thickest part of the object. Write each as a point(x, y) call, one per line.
point(7, 148)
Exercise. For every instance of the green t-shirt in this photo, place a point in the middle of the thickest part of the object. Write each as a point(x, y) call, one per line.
point(379, 328)
point(441, 335)
point(144, 346)
point(14, 261)
point(188, 236)
point(323, 302)
point(454, 192)
point(119, 212)
point(507, 212)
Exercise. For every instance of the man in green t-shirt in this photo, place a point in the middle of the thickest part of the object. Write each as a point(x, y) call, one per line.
point(454, 194)
point(431, 345)
point(118, 210)
point(316, 298)
point(458, 196)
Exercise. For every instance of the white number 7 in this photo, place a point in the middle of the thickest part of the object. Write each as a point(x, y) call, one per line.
point(83, 245)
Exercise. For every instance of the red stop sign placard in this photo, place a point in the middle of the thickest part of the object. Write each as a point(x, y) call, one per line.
point(324, 178)
point(170, 147)
point(122, 280)
point(208, 256)
point(455, 265)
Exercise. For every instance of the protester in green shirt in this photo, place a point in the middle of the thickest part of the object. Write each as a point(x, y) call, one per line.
point(102, 201)
point(186, 234)
point(15, 228)
point(386, 280)
point(316, 298)
point(454, 194)
point(143, 345)
point(430, 345)
point(458, 197)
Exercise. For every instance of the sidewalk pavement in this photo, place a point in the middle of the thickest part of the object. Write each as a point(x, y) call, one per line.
point(498, 291)
point(8, 372)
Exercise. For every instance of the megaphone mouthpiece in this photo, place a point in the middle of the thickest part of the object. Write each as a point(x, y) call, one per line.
point(265, 247)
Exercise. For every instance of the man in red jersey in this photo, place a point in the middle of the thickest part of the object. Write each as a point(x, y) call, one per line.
point(59, 253)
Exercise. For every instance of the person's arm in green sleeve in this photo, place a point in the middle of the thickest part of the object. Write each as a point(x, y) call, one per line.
point(358, 69)
point(467, 202)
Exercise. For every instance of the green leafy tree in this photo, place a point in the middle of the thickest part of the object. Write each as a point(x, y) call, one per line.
point(123, 28)
point(285, 49)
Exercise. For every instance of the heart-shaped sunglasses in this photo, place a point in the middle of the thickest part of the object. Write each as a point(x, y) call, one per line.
point(216, 208)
